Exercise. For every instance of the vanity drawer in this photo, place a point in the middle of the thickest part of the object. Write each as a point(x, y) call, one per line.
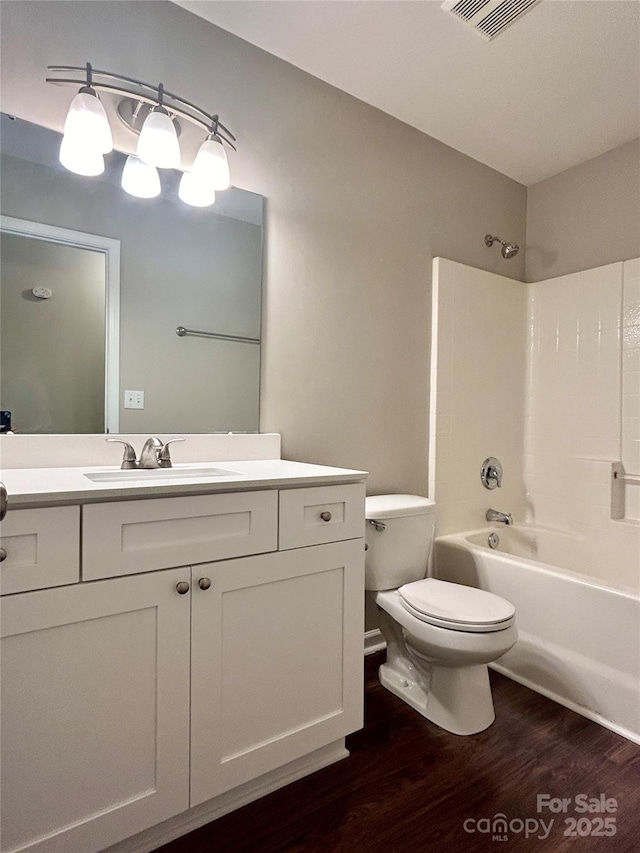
point(43, 548)
point(322, 514)
point(126, 537)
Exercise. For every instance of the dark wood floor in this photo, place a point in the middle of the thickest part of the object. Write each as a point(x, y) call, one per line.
point(408, 787)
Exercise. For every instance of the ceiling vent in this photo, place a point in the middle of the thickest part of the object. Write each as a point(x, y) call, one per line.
point(488, 17)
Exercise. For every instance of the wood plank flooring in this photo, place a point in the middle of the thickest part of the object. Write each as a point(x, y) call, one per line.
point(408, 786)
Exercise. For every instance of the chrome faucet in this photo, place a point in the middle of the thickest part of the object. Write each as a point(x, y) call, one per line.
point(150, 455)
point(155, 453)
point(495, 515)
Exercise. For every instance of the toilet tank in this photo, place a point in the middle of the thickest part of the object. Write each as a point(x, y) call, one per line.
point(399, 553)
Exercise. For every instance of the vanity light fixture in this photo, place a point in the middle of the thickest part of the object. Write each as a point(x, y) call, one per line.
point(155, 115)
point(193, 191)
point(211, 162)
point(158, 143)
point(87, 134)
point(140, 179)
point(210, 172)
point(80, 159)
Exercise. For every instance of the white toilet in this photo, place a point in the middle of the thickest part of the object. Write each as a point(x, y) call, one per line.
point(440, 636)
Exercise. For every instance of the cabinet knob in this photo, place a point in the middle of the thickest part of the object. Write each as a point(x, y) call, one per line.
point(3, 555)
point(182, 588)
point(204, 583)
point(325, 516)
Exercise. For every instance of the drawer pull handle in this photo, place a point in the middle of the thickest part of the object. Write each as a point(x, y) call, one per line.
point(182, 588)
point(204, 583)
point(3, 555)
point(325, 516)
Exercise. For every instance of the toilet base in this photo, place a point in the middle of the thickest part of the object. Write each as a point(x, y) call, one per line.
point(458, 699)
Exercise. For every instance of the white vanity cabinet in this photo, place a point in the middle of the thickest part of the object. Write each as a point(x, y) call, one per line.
point(277, 652)
point(127, 700)
point(95, 712)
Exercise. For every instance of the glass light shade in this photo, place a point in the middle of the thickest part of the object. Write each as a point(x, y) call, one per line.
point(87, 124)
point(211, 164)
point(79, 158)
point(140, 179)
point(158, 143)
point(194, 191)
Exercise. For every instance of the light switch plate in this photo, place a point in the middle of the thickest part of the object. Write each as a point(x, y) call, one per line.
point(134, 399)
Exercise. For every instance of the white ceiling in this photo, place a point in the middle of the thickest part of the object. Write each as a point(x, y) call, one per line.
point(559, 87)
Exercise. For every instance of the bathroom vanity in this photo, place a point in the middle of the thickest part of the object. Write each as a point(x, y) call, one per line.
point(173, 646)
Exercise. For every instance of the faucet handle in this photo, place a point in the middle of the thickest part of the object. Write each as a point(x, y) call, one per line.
point(491, 473)
point(164, 457)
point(129, 457)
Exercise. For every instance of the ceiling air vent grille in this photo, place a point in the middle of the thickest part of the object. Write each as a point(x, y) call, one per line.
point(488, 17)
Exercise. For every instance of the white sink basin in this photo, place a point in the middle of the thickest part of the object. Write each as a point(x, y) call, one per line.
point(150, 475)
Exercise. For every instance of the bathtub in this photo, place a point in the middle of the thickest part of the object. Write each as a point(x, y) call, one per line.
point(579, 638)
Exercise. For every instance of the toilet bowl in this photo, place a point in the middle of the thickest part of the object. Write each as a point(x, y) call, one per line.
point(440, 636)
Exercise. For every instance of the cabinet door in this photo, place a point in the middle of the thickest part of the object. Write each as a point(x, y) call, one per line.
point(95, 712)
point(277, 661)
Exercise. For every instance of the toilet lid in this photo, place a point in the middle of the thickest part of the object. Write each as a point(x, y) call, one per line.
point(452, 605)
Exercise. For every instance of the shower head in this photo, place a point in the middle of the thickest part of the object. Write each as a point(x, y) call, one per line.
point(509, 250)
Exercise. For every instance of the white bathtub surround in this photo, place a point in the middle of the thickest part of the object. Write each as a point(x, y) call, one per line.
point(578, 639)
point(584, 357)
point(478, 373)
point(63, 451)
point(555, 402)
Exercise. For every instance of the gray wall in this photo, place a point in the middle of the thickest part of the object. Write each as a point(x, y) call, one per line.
point(45, 385)
point(357, 206)
point(585, 217)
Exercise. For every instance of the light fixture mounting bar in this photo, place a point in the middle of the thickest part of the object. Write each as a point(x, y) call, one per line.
point(143, 92)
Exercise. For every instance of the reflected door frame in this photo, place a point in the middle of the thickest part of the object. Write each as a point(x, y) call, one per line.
point(110, 248)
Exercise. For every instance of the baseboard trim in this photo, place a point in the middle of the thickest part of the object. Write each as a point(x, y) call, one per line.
point(373, 642)
point(175, 827)
point(634, 737)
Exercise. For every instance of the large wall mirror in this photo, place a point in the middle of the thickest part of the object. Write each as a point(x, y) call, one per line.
point(95, 283)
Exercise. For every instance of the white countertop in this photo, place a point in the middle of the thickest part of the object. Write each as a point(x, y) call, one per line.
point(28, 487)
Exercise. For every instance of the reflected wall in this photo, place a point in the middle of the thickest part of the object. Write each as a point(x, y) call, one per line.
point(44, 382)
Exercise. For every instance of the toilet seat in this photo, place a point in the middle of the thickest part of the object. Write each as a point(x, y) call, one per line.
point(456, 607)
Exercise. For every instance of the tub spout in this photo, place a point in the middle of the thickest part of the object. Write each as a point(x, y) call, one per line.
point(504, 517)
